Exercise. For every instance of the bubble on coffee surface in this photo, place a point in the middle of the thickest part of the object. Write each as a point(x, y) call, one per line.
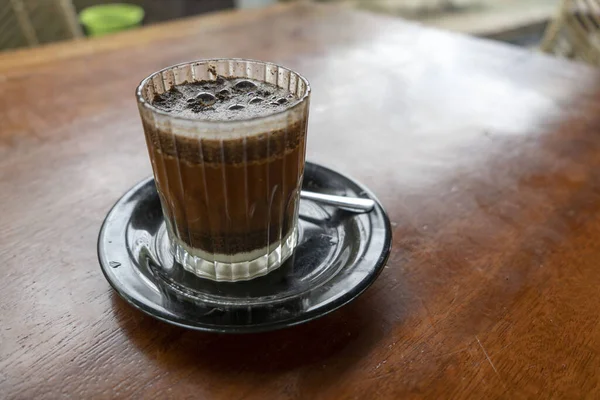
point(207, 99)
point(245, 84)
point(225, 99)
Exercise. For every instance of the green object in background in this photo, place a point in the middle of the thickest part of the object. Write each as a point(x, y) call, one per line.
point(109, 18)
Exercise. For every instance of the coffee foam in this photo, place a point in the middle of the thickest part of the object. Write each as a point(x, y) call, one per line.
point(225, 99)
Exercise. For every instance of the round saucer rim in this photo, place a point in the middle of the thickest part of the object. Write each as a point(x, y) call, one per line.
point(307, 316)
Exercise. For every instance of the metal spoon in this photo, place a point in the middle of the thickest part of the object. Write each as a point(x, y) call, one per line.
point(354, 204)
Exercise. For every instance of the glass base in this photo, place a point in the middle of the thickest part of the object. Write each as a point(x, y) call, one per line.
point(220, 270)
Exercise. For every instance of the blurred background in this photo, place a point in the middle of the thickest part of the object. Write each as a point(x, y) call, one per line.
point(565, 27)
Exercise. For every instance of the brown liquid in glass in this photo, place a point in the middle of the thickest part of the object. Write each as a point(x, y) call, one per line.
point(228, 196)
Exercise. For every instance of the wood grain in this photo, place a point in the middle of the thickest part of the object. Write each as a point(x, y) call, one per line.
point(486, 157)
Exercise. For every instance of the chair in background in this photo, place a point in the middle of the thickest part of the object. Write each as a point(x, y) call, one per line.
point(28, 23)
point(575, 31)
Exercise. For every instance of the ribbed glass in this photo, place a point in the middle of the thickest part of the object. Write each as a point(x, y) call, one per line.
point(229, 189)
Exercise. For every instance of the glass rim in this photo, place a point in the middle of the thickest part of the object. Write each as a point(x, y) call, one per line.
point(148, 106)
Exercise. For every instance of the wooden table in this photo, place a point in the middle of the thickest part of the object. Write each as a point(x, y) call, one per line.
point(487, 158)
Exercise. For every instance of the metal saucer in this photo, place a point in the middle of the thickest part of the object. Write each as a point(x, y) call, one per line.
point(338, 256)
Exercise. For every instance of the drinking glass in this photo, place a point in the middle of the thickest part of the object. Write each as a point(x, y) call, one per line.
point(229, 189)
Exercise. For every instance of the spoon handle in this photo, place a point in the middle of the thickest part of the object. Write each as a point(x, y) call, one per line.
point(354, 204)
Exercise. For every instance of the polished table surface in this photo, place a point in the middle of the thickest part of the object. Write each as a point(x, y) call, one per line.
point(487, 158)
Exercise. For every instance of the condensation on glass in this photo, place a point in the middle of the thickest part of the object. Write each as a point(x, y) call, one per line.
point(229, 189)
